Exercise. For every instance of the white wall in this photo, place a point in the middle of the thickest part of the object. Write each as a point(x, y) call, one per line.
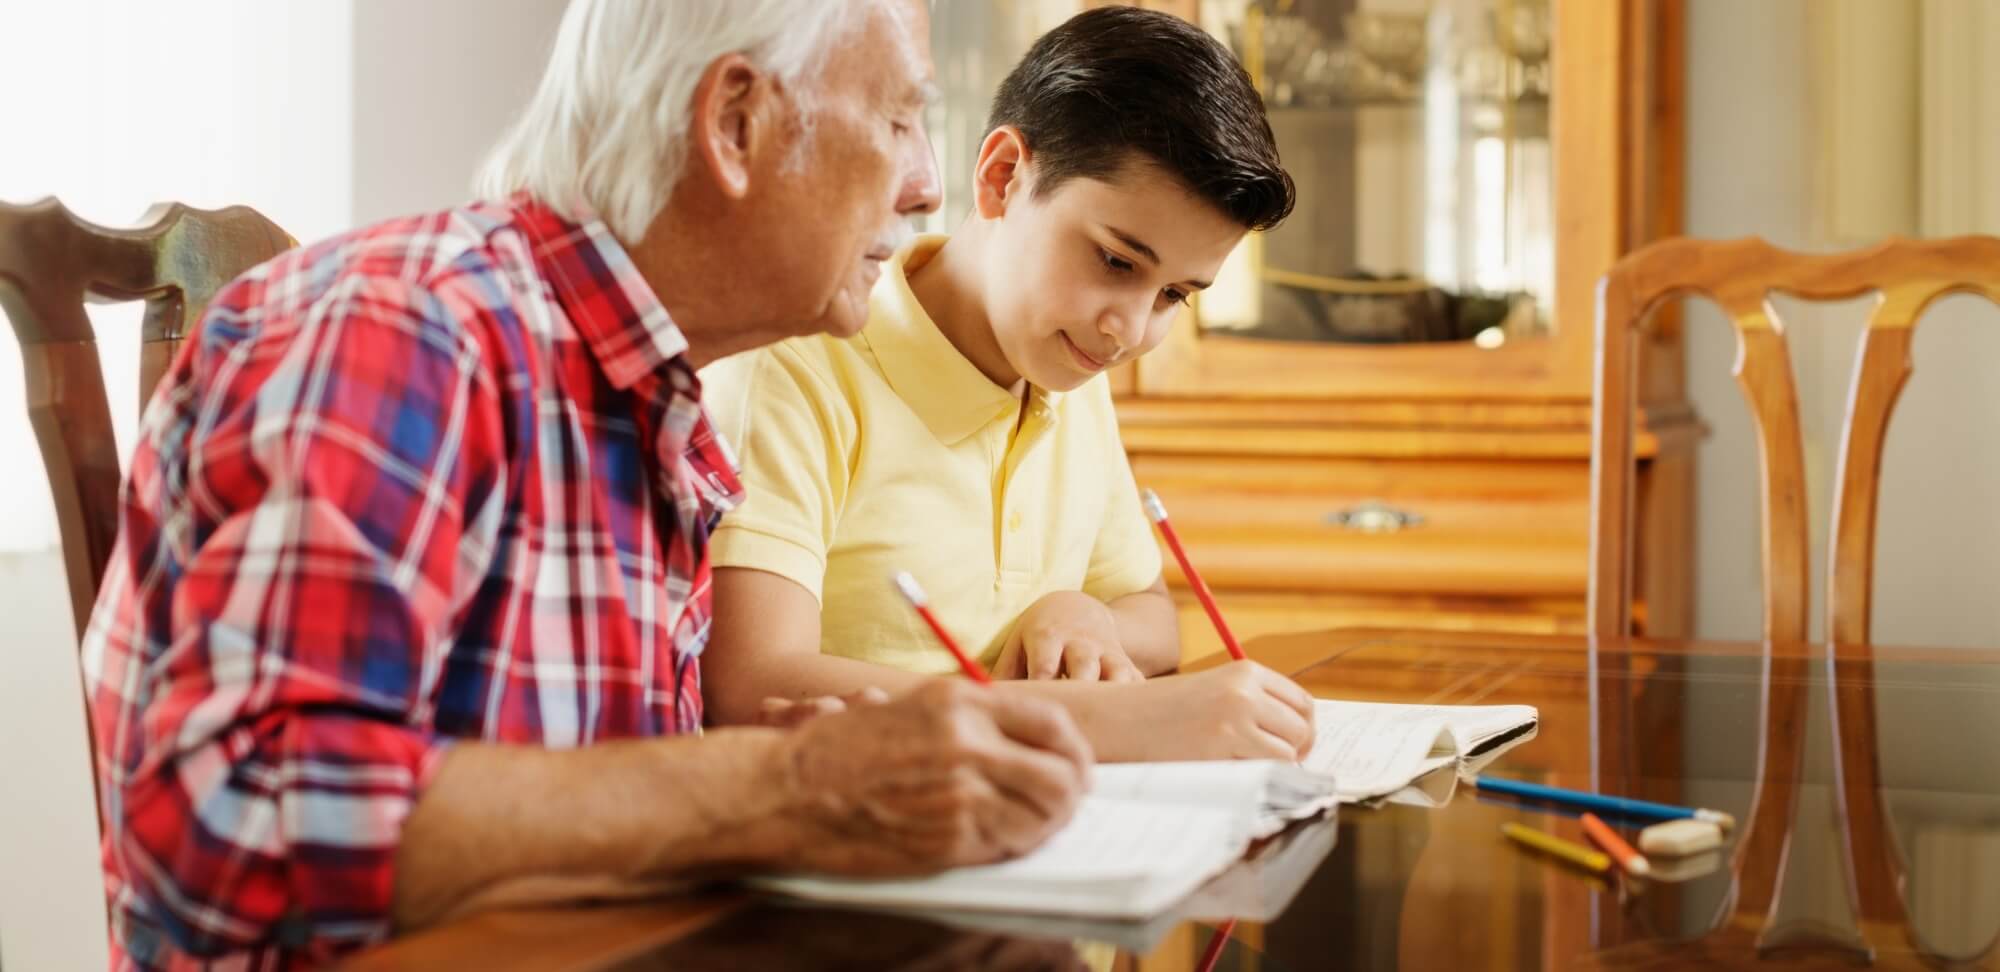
point(426, 110)
point(321, 115)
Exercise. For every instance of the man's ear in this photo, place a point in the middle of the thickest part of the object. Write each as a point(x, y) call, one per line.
point(731, 121)
point(1001, 174)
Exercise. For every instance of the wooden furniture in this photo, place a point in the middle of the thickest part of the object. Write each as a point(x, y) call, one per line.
point(1740, 275)
point(1437, 485)
point(51, 263)
point(1404, 887)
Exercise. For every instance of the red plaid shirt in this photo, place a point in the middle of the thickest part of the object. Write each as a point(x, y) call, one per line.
point(393, 493)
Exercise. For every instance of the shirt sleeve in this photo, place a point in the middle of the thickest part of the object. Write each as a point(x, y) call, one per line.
point(794, 442)
point(264, 726)
point(1125, 559)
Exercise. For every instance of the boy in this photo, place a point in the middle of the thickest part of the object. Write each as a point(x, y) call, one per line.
point(967, 435)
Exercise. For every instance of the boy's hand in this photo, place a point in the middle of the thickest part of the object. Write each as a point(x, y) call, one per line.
point(780, 713)
point(1241, 710)
point(1067, 633)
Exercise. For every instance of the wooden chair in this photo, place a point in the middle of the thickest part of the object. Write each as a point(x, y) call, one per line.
point(51, 263)
point(1739, 275)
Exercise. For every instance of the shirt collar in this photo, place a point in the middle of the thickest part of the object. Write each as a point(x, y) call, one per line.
point(614, 310)
point(952, 396)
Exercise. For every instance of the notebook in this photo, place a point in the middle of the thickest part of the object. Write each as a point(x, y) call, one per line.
point(1149, 834)
point(1410, 753)
point(1146, 836)
point(1258, 887)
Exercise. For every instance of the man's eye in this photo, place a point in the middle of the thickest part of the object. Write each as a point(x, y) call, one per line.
point(1115, 263)
point(1174, 296)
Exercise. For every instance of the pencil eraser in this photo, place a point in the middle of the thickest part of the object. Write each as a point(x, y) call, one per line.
point(1680, 838)
point(1686, 868)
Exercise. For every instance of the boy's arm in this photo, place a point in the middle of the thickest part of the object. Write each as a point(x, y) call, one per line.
point(1149, 628)
point(766, 644)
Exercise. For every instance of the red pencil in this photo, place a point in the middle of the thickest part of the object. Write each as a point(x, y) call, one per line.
point(915, 595)
point(1156, 511)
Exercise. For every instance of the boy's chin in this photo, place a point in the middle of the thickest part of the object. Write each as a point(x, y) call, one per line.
point(1059, 379)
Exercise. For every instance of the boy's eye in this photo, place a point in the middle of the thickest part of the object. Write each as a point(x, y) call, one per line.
point(1116, 263)
point(1174, 295)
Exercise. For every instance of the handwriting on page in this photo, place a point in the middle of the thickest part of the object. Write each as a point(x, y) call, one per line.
point(1372, 749)
point(1110, 839)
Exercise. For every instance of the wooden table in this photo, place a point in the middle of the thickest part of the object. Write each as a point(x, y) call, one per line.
point(1409, 888)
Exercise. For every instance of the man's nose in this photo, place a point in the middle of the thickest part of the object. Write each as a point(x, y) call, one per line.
point(921, 191)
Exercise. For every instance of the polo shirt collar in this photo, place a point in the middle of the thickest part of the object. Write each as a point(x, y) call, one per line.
point(950, 394)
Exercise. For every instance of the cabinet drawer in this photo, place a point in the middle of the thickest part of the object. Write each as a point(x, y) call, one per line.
point(1254, 614)
point(1493, 528)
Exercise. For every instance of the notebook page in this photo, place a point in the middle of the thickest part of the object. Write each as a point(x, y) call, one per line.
point(1228, 784)
point(1268, 793)
point(1372, 749)
point(1113, 839)
point(1115, 858)
point(1476, 724)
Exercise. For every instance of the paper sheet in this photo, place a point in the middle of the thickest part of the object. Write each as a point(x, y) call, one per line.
point(1116, 857)
point(1373, 749)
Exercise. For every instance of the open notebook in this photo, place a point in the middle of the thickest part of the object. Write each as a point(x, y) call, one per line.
point(1412, 753)
point(1147, 836)
point(1258, 887)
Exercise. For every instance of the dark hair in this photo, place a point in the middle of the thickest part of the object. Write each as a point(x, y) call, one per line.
point(1114, 82)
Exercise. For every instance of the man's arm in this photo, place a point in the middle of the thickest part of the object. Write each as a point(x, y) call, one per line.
point(942, 776)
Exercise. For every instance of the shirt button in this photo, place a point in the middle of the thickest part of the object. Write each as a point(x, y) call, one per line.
point(1014, 522)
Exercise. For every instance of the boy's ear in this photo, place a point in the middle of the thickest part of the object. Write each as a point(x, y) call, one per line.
point(1000, 175)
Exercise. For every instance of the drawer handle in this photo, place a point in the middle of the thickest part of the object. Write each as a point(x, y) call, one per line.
point(1374, 516)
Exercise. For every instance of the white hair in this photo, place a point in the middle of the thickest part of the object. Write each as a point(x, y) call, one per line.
point(607, 129)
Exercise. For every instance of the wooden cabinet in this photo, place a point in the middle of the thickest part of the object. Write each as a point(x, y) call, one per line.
point(1328, 470)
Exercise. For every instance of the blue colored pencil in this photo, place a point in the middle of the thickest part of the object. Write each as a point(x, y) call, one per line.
point(1623, 806)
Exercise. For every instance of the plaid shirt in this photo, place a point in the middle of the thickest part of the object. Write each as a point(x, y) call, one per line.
point(393, 493)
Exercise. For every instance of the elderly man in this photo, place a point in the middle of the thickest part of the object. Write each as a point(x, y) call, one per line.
point(411, 588)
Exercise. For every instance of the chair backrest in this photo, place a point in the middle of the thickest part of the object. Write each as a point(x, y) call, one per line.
point(51, 263)
point(1740, 275)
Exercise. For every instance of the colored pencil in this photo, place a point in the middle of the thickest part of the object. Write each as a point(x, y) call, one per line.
point(1156, 511)
point(1567, 851)
point(1621, 806)
point(1601, 834)
point(915, 595)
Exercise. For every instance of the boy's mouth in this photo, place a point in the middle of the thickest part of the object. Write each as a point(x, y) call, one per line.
point(1084, 358)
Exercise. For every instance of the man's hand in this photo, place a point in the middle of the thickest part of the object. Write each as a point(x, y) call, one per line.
point(948, 774)
point(1067, 633)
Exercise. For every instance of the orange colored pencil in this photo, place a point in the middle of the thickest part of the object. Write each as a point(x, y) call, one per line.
point(1603, 836)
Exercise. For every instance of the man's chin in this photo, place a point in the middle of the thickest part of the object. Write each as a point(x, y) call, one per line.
point(844, 318)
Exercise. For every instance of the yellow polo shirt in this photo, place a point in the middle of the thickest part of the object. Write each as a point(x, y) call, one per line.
point(890, 451)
